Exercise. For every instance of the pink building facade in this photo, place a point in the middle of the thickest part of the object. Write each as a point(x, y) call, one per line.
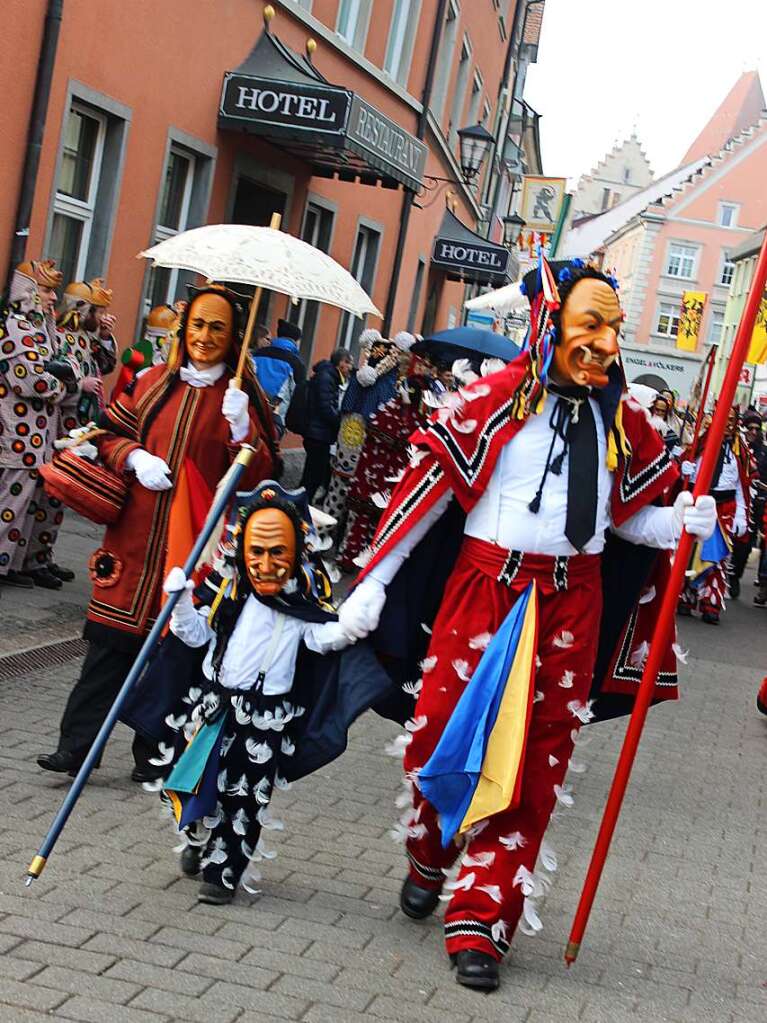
point(681, 243)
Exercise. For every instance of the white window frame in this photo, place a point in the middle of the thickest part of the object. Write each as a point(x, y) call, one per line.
point(445, 59)
point(77, 209)
point(724, 264)
point(717, 319)
point(461, 85)
point(695, 249)
point(487, 109)
point(721, 207)
point(475, 99)
point(369, 235)
point(399, 47)
point(674, 314)
point(161, 232)
point(357, 36)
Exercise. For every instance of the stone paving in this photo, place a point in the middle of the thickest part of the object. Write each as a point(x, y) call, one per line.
point(111, 933)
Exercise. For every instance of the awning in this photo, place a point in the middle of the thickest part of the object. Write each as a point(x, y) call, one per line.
point(282, 97)
point(466, 256)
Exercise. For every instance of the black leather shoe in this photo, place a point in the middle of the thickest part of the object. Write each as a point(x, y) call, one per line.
point(214, 895)
point(417, 902)
point(190, 861)
point(44, 578)
point(21, 579)
point(476, 969)
point(62, 762)
point(733, 585)
point(65, 574)
point(142, 774)
point(710, 619)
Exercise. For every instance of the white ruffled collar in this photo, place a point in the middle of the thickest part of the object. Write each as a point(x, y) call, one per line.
point(202, 377)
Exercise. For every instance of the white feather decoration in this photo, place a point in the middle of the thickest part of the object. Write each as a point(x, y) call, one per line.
point(681, 655)
point(462, 670)
point(492, 890)
point(639, 656)
point(500, 931)
point(428, 663)
point(516, 840)
point(564, 639)
point(464, 425)
point(562, 792)
point(258, 752)
point(416, 724)
point(240, 822)
point(381, 500)
point(531, 922)
point(462, 884)
point(647, 596)
point(165, 755)
point(413, 688)
point(582, 711)
point(566, 682)
point(480, 642)
point(398, 745)
point(480, 859)
point(548, 857)
point(552, 760)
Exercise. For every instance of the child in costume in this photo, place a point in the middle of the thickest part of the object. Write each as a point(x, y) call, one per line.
point(241, 711)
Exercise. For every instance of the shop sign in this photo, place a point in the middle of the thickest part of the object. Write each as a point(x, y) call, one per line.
point(460, 256)
point(285, 104)
point(380, 136)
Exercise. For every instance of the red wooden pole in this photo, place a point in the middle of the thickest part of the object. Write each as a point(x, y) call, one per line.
point(666, 617)
point(702, 406)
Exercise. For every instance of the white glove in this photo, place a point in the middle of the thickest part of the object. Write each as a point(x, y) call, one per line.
point(688, 470)
point(360, 613)
point(366, 376)
point(698, 518)
point(234, 409)
point(740, 525)
point(331, 636)
point(151, 472)
point(175, 580)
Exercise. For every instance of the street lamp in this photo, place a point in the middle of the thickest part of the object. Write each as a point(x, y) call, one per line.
point(512, 228)
point(475, 143)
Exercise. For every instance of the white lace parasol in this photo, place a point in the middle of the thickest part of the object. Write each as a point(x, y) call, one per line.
point(265, 258)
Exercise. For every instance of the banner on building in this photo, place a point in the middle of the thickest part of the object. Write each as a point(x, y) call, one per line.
point(541, 202)
point(693, 304)
point(757, 351)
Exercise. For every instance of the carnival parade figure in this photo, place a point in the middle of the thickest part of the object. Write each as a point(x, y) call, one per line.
point(85, 336)
point(731, 490)
point(374, 383)
point(154, 347)
point(32, 387)
point(240, 707)
point(171, 437)
point(542, 487)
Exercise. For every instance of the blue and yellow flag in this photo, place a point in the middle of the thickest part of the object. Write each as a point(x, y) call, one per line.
point(476, 768)
point(192, 784)
point(707, 555)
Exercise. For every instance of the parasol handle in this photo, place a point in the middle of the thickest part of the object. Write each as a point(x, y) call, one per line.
point(64, 443)
point(274, 223)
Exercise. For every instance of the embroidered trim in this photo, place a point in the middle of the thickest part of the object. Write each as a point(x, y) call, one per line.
point(561, 562)
point(630, 485)
point(511, 567)
point(408, 506)
point(428, 873)
point(470, 466)
point(475, 929)
point(626, 672)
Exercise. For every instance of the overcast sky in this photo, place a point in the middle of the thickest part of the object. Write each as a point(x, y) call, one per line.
point(662, 66)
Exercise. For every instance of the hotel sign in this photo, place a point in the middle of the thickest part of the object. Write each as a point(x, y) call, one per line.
point(326, 118)
point(465, 256)
point(285, 104)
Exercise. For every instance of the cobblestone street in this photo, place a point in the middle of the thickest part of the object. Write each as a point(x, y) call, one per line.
point(111, 932)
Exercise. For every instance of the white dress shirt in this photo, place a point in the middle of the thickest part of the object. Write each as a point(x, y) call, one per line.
point(202, 377)
point(729, 479)
point(502, 516)
point(251, 649)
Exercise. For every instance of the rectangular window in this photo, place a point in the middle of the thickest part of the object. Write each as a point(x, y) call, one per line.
point(399, 49)
point(728, 214)
point(317, 231)
point(473, 114)
point(173, 218)
point(445, 59)
point(352, 23)
point(668, 320)
point(459, 96)
point(363, 268)
point(728, 269)
point(605, 198)
point(74, 206)
point(682, 261)
point(715, 327)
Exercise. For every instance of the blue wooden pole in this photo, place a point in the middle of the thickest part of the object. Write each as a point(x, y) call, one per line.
point(217, 509)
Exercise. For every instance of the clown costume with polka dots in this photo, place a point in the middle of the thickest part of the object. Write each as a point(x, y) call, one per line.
point(32, 387)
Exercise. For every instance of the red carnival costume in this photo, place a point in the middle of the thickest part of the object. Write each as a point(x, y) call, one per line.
point(731, 489)
point(177, 429)
point(471, 485)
